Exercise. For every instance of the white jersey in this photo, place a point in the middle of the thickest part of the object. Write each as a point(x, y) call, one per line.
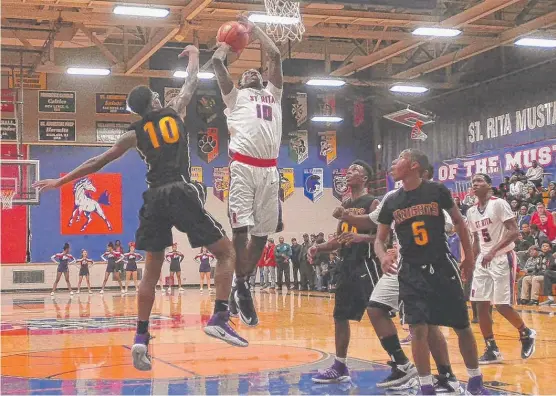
point(489, 224)
point(255, 121)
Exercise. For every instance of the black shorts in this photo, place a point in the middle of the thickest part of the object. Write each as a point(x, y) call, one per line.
point(131, 266)
point(110, 267)
point(84, 271)
point(175, 267)
point(433, 294)
point(179, 205)
point(354, 286)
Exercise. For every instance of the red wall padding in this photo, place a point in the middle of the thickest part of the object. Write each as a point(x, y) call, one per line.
point(13, 221)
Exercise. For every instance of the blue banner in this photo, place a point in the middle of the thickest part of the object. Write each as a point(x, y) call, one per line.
point(313, 183)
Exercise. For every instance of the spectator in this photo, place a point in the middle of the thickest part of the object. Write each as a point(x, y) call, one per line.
point(462, 207)
point(532, 283)
point(538, 235)
point(534, 174)
point(283, 252)
point(523, 216)
point(504, 188)
point(313, 239)
point(551, 186)
point(549, 280)
point(545, 221)
point(469, 199)
point(552, 200)
point(528, 238)
point(532, 197)
point(307, 270)
point(517, 188)
point(324, 273)
point(332, 267)
point(296, 251)
point(518, 172)
point(453, 242)
point(260, 267)
point(521, 245)
point(514, 203)
point(269, 265)
point(318, 260)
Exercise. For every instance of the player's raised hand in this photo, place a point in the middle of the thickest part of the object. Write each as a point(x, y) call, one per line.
point(349, 238)
point(338, 213)
point(46, 184)
point(389, 264)
point(188, 51)
point(246, 22)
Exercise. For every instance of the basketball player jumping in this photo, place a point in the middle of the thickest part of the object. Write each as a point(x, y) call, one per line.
point(430, 284)
point(357, 272)
point(494, 228)
point(171, 200)
point(385, 299)
point(255, 123)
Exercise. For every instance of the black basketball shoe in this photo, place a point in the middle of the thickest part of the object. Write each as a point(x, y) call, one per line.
point(528, 343)
point(232, 305)
point(491, 356)
point(245, 305)
point(401, 375)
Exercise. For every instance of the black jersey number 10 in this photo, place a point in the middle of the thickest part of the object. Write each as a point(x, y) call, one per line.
point(167, 127)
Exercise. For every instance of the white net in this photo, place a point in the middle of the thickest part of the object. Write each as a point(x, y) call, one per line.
point(7, 198)
point(286, 24)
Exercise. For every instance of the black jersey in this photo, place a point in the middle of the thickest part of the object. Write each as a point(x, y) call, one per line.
point(356, 252)
point(163, 144)
point(419, 221)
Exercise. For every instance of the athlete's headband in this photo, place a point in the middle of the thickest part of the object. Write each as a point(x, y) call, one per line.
point(486, 177)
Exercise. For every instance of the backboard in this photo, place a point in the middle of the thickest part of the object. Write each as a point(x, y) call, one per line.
point(19, 176)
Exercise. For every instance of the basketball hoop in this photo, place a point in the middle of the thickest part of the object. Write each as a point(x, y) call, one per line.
point(7, 198)
point(417, 133)
point(281, 32)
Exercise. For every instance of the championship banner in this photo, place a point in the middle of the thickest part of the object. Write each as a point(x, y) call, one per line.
point(313, 179)
point(299, 106)
point(327, 146)
point(56, 102)
point(56, 130)
point(221, 182)
point(92, 205)
point(110, 131)
point(197, 174)
point(206, 105)
point(8, 95)
point(30, 81)
point(207, 144)
point(326, 104)
point(287, 183)
point(340, 189)
point(358, 113)
point(299, 146)
point(169, 94)
point(8, 129)
point(111, 103)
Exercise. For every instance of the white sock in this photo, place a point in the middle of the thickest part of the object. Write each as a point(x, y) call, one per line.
point(426, 380)
point(551, 298)
point(474, 372)
point(341, 360)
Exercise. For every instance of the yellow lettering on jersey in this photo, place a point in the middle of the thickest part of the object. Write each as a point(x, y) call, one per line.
point(420, 234)
point(345, 227)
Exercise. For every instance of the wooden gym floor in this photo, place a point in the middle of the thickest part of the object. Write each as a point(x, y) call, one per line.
point(81, 345)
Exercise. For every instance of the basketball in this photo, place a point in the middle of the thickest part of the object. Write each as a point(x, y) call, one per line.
point(234, 34)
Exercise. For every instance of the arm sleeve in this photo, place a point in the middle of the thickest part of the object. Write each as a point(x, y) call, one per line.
point(230, 99)
point(386, 215)
point(276, 92)
point(445, 197)
point(504, 210)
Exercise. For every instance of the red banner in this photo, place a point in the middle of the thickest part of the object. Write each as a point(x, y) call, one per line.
point(8, 96)
point(92, 205)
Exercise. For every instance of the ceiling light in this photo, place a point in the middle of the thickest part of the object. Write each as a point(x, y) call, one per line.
point(408, 89)
point(279, 20)
point(326, 119)
point(200, 75)
point(325, 82)
point(437, 32)
point(141, 11)
point(86, 71)
point(536, 42)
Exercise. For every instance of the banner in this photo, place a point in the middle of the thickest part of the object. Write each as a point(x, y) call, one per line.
point(299, 106)
point(327, 146)
point(92, 205)
point(57, 130)
point(206, 105)
point(358, 112)
point(111, 103)
point(169, 94)
point(30, 81)
point(313, 179)
point(207, 144)
point(8, 129)
point(221, 182)
point(326, 104)
point(287, 183)
point(340, 189)
point(299, 146)
point(8, 95)
point(197, 174)
point(56, 102)
point(110, 131)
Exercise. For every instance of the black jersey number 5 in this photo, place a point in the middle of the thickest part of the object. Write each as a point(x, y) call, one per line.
point(420, 234)
point(346, 228)
point(167, 127)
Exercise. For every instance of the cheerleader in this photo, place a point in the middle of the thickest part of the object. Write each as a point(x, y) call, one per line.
point(204, 259)
point(113, 259)
point(84, 263)
point(131, 258)
point(63, 260)
point(175, 258)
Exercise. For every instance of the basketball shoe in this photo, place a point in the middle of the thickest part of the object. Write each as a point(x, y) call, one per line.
point(528, 343)
point(140, 352)
point(245, 305)
point(401, 374)
point(491, 356)
point(447, 384)
point(337, 373)
point(219, 327)
point(475, 386)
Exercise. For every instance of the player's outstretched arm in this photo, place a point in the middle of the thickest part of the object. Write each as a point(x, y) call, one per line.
point(222, 75)
point(275, 75)
point(180, 102)
point(92, 165)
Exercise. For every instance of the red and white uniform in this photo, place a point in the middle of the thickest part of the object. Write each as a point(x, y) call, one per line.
point(494, 283)
point(255, 125)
